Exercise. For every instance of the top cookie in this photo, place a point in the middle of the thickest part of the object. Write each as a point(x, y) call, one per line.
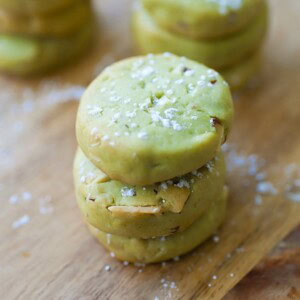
point(203, 19)
point(149, 119)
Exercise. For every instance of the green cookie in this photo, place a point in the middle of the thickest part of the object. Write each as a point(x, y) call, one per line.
point(219, 53)
point(203, 19)
point(28, 56)
point(239, 75)
point(150, 119)
point(164, 248)
point(145, 212)
point(65, 22)
point(35, 7)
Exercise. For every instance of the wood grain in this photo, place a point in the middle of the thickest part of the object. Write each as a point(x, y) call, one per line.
point(54, 257)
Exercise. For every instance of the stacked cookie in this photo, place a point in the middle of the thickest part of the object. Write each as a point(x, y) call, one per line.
point(36, 36)
point(224, 35)
point(149, 174)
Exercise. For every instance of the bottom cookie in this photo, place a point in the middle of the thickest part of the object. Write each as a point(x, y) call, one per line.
point(239, 75)
point(24, 56)
point(164, 248)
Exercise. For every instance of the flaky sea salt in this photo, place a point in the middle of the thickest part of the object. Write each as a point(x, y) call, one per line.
point(216, 239)
point(20, 222)
point(143, 135)
point(183, 183)
point(27, 196)
point(107, 268)
point(163, 186)
point(13, 199)
point(266, 187)
point(128, 192)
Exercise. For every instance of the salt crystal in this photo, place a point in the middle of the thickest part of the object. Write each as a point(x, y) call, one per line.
point(20, 222)
point(13, 199)
point(266, 188)
point(128, 192)
point(216, 239)
point(176, 126)
point(147, 71)
point(164, 186)
point(27, 196)
point(107, 268)
point(183, 183)
point(189, 73)
point(169, 113)
point(143, 135)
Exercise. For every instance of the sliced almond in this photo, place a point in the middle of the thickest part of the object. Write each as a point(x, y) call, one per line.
point(134, 210)
point(175, 197)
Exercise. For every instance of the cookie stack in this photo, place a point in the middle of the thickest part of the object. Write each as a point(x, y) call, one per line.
point(36, 36)
point(225, 35)
point(149, 174)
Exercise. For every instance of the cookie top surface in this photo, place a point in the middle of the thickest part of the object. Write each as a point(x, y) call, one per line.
point(149, 119)
point(203, 19)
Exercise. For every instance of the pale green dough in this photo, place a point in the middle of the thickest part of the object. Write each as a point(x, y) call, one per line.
point(217, 54)
point(153, 118)
point(31, 56)
point(203, 19)
point(35, 7)
point(150, 211)
point(62, 23)
point(161, 249)
point(239, 75)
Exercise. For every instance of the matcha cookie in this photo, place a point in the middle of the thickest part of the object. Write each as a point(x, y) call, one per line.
point(219, 53)
point(238, 75)
point(65, 22)
point(145, 212)
point(30, 56)
point(150, 119)
point(164, 248)
point(203, 19)
point(35, 7)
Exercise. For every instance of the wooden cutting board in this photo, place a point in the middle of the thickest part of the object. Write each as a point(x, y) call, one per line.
point(45, 250)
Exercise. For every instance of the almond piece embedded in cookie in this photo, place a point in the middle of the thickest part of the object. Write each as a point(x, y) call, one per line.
point(175, 198)
point(134, 210)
